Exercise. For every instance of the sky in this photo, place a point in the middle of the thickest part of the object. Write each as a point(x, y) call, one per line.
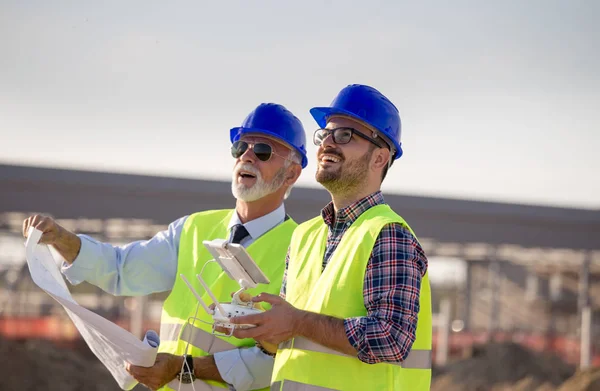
point(499, 100)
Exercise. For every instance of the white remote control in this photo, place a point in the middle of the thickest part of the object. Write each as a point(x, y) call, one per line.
point(239, 266)
point(233, 311)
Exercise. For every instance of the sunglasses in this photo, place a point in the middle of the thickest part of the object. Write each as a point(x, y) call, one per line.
point(341, 135)
point(262, 151)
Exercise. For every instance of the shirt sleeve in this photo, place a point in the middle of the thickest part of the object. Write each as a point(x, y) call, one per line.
point(391, 296)
point(135, 269)
point(245, 369)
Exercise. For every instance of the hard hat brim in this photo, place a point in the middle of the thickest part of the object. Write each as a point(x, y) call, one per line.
point(321, 114)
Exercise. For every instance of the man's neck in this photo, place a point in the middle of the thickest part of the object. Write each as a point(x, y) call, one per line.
point(340, 201)
point(248, 211)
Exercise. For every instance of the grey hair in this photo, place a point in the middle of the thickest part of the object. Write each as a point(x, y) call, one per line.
point(296, 158)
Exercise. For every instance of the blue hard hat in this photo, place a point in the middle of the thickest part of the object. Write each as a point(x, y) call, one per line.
point(367, 105)
point(276, 121)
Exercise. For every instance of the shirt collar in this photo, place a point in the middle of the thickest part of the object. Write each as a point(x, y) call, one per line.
point(350, 213)
point(261, 225)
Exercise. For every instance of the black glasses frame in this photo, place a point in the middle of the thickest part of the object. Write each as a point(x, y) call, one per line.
point(336, 134)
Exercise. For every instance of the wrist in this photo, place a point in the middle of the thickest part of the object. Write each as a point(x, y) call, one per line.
point(202, 366)
point(68, 244)
point(176, 365)
point(187, 368)
point(205, 368)
point(300, 323)
point(62, 236)
point(197, 366)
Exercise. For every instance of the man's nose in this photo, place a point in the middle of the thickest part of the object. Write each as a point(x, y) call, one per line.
point(327, 140)
point(248, 155)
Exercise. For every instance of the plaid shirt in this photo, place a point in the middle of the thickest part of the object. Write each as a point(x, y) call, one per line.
point(391, 287)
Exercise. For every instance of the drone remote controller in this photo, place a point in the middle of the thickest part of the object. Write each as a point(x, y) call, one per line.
point(233, 311)
point(239, 266)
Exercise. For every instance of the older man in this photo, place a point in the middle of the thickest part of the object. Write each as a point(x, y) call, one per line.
point(269, 151)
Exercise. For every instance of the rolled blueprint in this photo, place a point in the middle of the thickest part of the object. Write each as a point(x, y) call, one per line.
point(112, 344)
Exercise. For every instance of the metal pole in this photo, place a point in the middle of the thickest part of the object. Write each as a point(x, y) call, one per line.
point(584, 282)
point(441, 356)
point(466, 310)
point(556, 281)
point(493, 289)
point(586, 312)
point(137, 317)
point(586, 338)
point(532, 286)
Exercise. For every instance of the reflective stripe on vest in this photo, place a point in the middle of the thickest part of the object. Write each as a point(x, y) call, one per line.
point(199, 385)
point(208, 342)
point(417, 359)
point(289, 385)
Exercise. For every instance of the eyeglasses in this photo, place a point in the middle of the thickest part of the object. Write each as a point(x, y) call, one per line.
point(262, 151)
point(340, 136)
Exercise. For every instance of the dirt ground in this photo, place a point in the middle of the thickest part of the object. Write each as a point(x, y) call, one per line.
point(511, 367)
point(41, 365)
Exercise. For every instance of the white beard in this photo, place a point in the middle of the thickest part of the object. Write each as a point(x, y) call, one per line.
point(260, 188)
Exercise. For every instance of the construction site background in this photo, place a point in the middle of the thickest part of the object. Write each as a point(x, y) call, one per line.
point(505, 326)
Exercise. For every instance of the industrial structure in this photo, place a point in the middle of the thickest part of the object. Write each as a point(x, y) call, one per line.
point(533, 272)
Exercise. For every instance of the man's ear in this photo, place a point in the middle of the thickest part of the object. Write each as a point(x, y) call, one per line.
point(381, 157)
point(292, 174)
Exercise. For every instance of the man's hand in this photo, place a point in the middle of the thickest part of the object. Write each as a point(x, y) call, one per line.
point(65, 242)
point(166, 367)
point(49, 227)
point(283, 322)
point(273, 326)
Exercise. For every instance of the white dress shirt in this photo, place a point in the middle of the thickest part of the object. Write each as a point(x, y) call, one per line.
point(149, 266)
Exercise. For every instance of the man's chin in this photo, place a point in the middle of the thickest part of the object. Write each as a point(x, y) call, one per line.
point(246, 194)
point(326, 177)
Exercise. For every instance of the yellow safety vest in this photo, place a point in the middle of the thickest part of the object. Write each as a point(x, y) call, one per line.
point(178, 328)
point(303, 365)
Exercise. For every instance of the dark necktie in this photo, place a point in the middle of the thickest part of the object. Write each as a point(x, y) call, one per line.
point(238, 233)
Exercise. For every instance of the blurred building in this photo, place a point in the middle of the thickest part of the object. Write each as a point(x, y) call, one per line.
point(525, 272)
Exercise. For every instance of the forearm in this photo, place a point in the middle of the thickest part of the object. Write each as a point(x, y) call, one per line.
point(379, 340)
point(325, 330)
point(205, 368)
point(68, 245)
point(136, 269)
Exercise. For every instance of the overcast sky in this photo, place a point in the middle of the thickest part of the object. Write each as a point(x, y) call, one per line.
point(499, 99)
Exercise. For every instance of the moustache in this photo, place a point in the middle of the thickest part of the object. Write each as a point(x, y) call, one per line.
point(247, 167)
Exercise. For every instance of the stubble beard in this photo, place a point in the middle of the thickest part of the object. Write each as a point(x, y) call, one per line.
point(344, 180)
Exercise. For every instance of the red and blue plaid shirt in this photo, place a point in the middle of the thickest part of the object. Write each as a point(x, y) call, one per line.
point(391, 287)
